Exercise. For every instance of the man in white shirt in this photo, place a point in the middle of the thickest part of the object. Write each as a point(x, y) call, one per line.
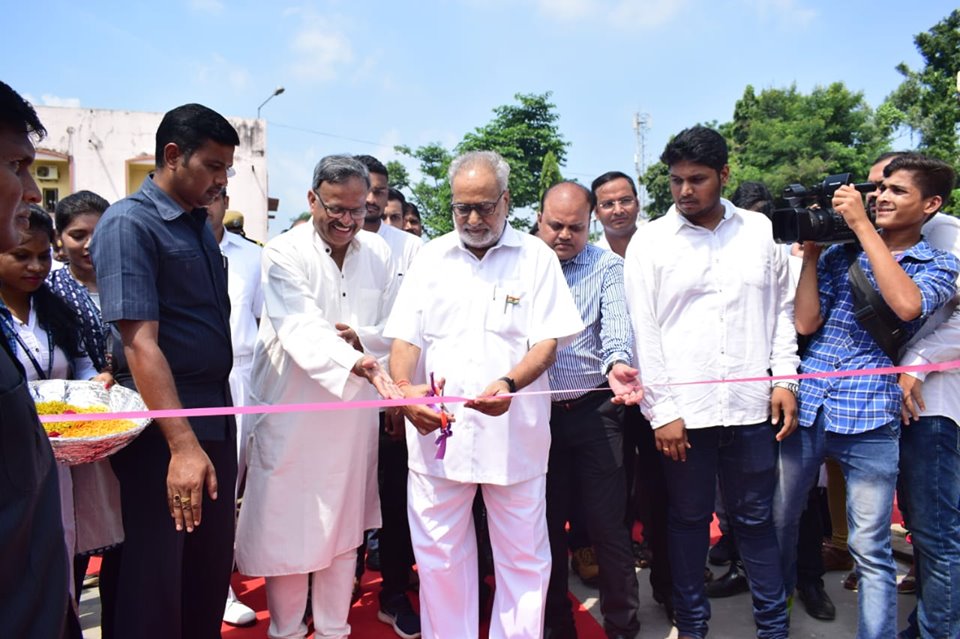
point(246, 300)
point(708, 293)
point(311, 479)
point(617, 210)
point(930, 460)
point(481, 303)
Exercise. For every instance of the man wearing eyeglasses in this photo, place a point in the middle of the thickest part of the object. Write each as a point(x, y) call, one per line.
point(311, 479)
point(616, 210)
point(482, 311)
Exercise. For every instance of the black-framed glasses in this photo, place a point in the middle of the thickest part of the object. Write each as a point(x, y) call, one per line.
point(609, 205)
point(483, 209)
point(339, 211)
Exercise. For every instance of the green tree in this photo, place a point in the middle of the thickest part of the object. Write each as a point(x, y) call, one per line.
point(927, 102)
point(782, 136)
point(549, 175)
point(431, 194)
point(399, 176)
point(523, 134)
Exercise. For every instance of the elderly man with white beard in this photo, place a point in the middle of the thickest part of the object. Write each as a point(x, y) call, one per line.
point(481, 303)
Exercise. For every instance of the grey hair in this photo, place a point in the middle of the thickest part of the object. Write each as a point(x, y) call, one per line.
point(337, 169)
point(491, 159)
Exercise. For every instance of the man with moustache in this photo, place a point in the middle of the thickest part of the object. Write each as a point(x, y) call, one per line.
point(163, 283)
point(411, 219)
point(480, 315)
point(586, 428)
point(393, 212)
point(617, 208)
point(33, 558)
point(311, 480)
point(708, 293)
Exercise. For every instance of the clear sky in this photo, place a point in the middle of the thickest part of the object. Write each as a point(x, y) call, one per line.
point(361, 77)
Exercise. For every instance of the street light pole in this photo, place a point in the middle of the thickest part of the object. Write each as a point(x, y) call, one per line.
point(275, 93)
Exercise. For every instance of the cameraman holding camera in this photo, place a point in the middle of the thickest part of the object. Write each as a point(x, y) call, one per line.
point(856, 419)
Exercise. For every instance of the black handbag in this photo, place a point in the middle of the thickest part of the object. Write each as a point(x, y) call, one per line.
point(872, 311)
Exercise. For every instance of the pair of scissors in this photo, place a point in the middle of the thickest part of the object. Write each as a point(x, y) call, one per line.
point(445, 429)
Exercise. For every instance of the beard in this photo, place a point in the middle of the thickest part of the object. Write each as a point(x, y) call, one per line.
point(478, 236)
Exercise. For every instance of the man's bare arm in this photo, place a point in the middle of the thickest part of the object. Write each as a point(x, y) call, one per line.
point(190, 469)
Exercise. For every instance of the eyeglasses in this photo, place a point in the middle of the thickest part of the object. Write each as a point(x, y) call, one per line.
point(339, 211)
point(609, 205)
point(484, 209)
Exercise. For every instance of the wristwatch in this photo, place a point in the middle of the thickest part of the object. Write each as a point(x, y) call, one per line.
point(791, 386)
point(510, 383)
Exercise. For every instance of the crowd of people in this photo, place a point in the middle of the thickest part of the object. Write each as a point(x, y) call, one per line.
point(650, 376)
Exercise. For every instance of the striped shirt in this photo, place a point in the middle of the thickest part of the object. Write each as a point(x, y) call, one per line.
point(595, 278)
point(859, 404)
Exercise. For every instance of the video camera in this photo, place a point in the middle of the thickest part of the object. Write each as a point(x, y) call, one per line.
point(809, 216)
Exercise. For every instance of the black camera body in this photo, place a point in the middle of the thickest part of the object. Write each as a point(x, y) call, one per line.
point(809, 215)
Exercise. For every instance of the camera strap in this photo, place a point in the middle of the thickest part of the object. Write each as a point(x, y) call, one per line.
point(872, 311)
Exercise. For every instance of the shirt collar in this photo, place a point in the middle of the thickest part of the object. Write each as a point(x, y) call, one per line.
point(729, 212)
point(582, 257)
point(167, 207)
point(920, 252)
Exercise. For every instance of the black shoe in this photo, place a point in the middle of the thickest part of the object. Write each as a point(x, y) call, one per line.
point(816, 601)
point(563, 631)
point(396, 611)
point(732, 583)
point(723, 552)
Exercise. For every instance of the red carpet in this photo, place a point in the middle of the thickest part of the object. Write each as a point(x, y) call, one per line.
point(363, 616)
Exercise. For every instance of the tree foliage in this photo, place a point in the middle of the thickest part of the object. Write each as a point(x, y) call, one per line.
point(549, 175)
point(927, 101)
point(782, 136)
point(431, 194)
point(523, 133)
point(398, 174)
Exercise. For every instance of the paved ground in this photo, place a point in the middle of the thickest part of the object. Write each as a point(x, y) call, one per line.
point(732, 617)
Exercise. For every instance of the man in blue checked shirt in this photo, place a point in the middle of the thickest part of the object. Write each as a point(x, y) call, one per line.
point(586, 427)
point(856, 420)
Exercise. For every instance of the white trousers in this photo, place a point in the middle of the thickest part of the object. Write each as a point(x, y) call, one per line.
point(330, 600)
point(445, 545)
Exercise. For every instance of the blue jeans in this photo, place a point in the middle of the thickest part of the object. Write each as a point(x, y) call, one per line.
point(869, 464)
point(744, 457)
point(930, 490)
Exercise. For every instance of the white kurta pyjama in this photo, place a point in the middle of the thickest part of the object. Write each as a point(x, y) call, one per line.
point(312, 476)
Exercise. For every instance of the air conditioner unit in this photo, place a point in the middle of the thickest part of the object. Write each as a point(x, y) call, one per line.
point(47, 172)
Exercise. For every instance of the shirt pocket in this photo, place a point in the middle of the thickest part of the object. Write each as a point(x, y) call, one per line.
point(507, 314)
point(184, 277)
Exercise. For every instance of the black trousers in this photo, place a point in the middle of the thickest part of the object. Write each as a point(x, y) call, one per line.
point(169, 584)
point(810, 541)
point(586, 457)
point(396, 551)
point(644, 468)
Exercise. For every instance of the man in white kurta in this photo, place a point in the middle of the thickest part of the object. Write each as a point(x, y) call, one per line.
point(311, 476)
point(484, 309)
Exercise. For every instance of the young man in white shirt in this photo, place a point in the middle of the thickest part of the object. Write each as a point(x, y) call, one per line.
point(709, 297)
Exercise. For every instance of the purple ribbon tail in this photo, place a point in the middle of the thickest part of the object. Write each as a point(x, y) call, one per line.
point(441, 442)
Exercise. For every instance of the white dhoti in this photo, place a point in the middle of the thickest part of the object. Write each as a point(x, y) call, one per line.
point(441, 529)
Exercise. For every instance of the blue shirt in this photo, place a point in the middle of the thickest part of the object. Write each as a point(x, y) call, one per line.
point(156, 262)
point(862, 403)
point(595, 278)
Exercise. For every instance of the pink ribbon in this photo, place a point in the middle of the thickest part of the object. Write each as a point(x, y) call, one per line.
point(451, 399)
